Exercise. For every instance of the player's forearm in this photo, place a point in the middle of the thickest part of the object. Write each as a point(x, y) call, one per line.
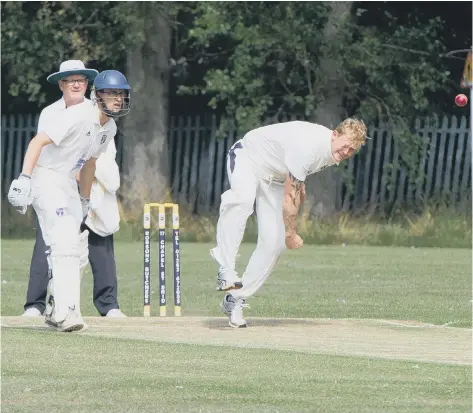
point(33, 151)
point(86, 178)
point(291, 204)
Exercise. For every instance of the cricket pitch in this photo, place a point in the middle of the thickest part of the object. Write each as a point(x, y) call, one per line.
point(385, 339)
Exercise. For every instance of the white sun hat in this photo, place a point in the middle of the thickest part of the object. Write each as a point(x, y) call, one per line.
point(72, 67)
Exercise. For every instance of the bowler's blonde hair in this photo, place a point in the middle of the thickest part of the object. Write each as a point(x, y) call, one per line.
point(355, 129)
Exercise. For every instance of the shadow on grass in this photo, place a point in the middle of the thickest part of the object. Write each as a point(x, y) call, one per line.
point(222, 324)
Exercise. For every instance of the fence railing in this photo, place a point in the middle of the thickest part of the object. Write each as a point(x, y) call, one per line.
point(17, 131)
point(377, 175)
point(442, 171)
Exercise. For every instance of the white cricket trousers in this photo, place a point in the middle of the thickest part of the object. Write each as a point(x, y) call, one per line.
point(57, 204)
point(246, 187)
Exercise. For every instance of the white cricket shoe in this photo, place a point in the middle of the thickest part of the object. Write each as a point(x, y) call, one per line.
point(233, 309)
point(32, 312)
point(115, 312)
point(72, 322)
point(228, 280)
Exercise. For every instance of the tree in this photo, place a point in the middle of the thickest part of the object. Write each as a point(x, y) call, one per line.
point(323, 188)
point(145, 133)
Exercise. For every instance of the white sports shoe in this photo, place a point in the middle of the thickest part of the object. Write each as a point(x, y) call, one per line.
point(115, 312)
point(72, 322)
point(228, 280)
point(32, 312)
point(233, 309)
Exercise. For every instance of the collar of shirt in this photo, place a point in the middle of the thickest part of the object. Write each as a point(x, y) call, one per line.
point(107, 125)
point(62, 105)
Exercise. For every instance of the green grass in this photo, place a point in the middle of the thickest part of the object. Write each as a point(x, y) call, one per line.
point(88, 374)
point(47, 371)
point(428, 285)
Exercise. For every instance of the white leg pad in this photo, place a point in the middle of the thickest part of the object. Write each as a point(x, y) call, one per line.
point(65, 259)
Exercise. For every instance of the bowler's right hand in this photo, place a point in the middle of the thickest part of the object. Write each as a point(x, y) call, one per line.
point(19, 193)
point(294, 241)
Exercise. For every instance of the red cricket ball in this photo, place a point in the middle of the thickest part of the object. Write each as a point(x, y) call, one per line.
point(461, 100)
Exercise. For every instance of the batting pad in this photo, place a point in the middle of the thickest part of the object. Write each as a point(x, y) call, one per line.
point(65, 260)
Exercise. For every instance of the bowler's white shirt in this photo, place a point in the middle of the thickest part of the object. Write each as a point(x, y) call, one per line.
point(76, 134)
point(296, 147)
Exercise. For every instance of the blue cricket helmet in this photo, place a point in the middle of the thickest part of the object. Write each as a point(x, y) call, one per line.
point(112, 79)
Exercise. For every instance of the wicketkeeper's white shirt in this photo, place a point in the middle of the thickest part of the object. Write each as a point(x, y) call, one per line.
point(76, 134)
point(297, 147)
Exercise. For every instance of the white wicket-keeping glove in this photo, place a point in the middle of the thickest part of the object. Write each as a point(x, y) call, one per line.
point(85, 206)
point(20, 192)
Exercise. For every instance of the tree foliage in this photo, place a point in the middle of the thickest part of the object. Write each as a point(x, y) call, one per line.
point(256, 60)
point(392, 73)
point(263, 60)
point(37, 36)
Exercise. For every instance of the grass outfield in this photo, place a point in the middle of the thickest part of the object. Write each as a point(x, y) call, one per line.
point(428, 285)
point(355, 329)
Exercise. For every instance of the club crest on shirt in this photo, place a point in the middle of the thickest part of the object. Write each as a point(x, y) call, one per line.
point(104, 138)
point(87, 134)
point(60, 212)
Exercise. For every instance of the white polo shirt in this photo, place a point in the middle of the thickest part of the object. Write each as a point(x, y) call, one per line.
point(51, 113)
point(76, 134)
point(297, 147)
